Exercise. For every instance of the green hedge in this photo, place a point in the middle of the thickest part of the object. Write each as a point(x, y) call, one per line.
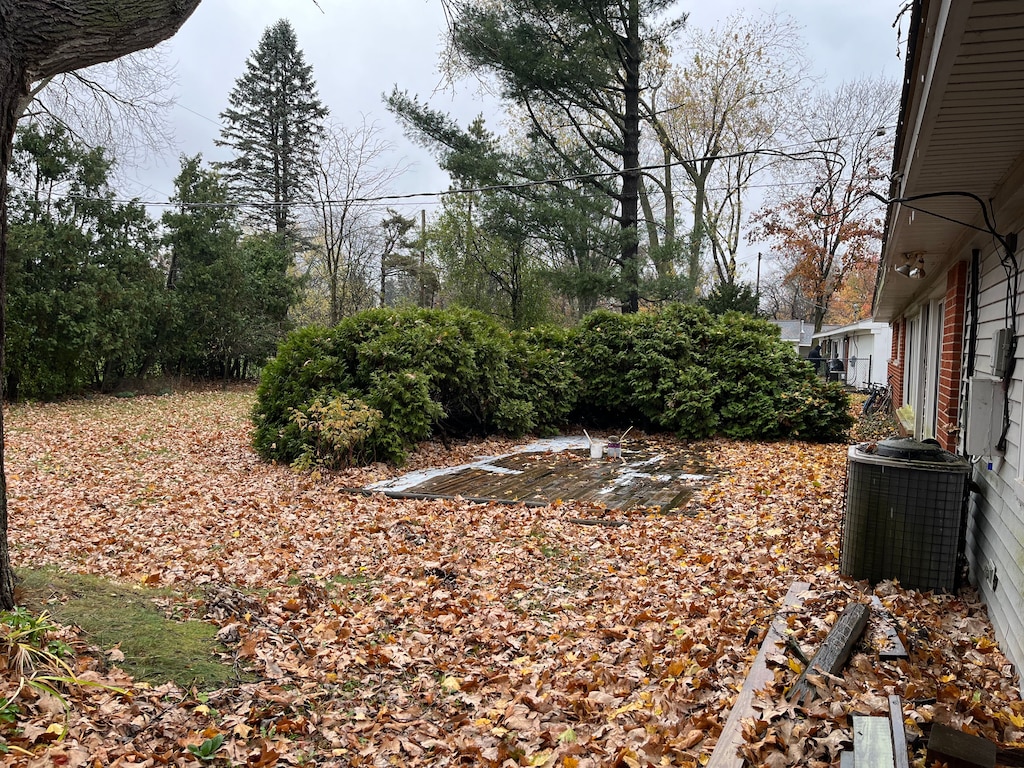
point(687, 371)
point(454, 372)
point(383, 380)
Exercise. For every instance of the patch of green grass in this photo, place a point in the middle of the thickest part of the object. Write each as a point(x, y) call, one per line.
point(348, 581)
point(156, 649)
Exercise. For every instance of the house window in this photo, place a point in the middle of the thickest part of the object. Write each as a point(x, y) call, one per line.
point(911, 361)
point(930, 366)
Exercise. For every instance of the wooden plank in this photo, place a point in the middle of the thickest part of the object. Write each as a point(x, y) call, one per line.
point(847, 759)
point(872, 741)
point(899, 733)
point(958, 749)
point(451, 484)
point(414, 496)
point(724, 755)
point(894, 648)
point(561, 475)
point(507, 486)
point(679, 498)
point(834, 651)
point(1011, 757)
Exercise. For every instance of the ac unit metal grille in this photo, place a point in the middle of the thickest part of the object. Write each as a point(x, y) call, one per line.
point(903, 520)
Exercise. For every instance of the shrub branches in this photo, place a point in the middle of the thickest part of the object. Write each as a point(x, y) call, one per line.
point(379, 382)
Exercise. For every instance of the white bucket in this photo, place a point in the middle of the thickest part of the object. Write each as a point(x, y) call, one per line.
point(596, 449)
point(614, 450)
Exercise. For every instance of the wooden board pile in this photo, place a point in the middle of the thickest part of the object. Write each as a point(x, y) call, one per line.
point(878, 741)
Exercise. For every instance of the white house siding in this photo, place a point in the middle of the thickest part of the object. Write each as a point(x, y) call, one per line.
point(993, 543)
point(995, 531)
point(864, 348)
point(956, 139)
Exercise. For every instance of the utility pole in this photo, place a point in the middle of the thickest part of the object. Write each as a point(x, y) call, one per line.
point(757, 285)
point(423, 257)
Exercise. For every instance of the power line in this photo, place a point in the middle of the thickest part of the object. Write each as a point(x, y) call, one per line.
point(804, 155)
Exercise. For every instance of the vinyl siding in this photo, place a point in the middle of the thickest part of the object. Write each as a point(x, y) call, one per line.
point(995, 531)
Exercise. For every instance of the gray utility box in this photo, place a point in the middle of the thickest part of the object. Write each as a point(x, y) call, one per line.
point(905, 506)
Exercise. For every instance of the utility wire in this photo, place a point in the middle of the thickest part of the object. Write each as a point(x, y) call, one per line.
point(806, 155)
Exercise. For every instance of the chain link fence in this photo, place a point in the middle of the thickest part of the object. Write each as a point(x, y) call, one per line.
point(855, 372)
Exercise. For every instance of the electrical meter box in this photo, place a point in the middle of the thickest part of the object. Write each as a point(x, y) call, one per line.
point(1001, 351)
point(984, 416)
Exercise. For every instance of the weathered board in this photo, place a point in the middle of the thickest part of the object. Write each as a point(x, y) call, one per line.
point(872, 742)
point(650, 475)
point(725, 753)
point(890, 646)
point(958, 749)
point(899, 733)
point(834, 651)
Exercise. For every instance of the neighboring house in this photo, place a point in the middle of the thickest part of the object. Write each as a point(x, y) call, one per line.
point(863, 348)
point(796, 332)
point(959, 172)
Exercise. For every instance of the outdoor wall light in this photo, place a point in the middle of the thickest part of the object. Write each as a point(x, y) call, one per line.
point(918, 273)
point(905, 267)
point(912, 266)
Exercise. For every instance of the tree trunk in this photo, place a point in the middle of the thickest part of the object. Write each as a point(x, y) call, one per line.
point(42, 38)
point(332, 281)
point(10, 95)
point(698, 233)
point(631, 59)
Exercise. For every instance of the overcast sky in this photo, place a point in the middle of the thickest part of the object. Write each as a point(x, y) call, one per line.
point(361, 49)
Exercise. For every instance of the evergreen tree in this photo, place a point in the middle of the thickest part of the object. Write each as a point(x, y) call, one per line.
point(577, 69)
point(731, 297)
point(488, 259)
point(274, 126)
point(202, 275)
point(572, 245)
point(230, 296)
point(84, 294)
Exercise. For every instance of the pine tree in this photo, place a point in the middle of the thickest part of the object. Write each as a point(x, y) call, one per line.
point(230, 295)
point(274, 126)
point(577, 69)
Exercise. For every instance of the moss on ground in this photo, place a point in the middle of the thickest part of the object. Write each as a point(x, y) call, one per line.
point(156, 648)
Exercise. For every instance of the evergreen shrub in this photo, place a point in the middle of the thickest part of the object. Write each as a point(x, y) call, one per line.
point(697, 374)
point(381, 381)
point(454, 372)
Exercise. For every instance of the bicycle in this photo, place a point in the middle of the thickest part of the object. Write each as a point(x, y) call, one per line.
point(879, 401)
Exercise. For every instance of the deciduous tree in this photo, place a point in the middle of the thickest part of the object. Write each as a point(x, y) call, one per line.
point(488, 260)
point(42, 38)
point(716, 115)
point(120, 105)
point(352, 169)
point(827, 219)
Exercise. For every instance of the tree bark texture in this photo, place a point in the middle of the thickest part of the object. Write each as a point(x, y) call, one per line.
point(632, 56)
point(39, 39)
point(48, 37)
point(9, 98)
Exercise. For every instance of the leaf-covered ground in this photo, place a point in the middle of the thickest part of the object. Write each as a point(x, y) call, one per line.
point(387, 632)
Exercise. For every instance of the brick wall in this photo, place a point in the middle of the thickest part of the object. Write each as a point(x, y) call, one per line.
point(895, 367)
point(950, 364)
